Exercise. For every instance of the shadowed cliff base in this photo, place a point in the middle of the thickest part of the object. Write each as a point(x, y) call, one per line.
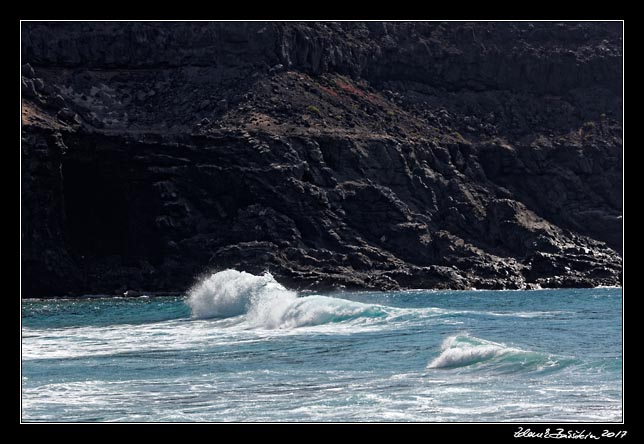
point(335, 155)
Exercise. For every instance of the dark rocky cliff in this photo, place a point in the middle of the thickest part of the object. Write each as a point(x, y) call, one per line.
point(365, 155)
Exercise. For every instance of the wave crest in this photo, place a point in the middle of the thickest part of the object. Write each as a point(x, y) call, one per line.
point(463, 350)
point(267, 304)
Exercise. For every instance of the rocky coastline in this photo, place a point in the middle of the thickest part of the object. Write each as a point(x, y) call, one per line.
point(333, 155)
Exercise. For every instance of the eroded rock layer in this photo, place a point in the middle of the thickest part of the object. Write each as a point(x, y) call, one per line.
point(334, 155)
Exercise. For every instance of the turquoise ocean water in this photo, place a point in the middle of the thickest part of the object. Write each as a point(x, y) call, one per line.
point(243, 348)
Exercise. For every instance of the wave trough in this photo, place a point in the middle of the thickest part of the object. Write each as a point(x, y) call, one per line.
point(265, 303)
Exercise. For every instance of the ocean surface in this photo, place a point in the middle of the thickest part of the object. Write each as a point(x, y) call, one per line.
point(240, 347)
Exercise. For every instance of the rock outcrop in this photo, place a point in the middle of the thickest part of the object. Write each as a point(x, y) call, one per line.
point(335, 155)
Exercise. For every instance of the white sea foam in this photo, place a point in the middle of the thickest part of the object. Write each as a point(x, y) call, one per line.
point(265, 303)
point(246, 361)
point(230, 293)
point(461, 350)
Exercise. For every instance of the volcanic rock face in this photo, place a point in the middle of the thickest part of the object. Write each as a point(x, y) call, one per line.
point(358, 155)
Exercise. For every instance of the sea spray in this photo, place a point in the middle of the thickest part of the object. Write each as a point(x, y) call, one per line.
point(152, 360)
point(230, 293)
point(265, 303)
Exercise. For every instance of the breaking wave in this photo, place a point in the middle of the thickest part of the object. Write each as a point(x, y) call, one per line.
point(265, 303)
point(463, 350)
